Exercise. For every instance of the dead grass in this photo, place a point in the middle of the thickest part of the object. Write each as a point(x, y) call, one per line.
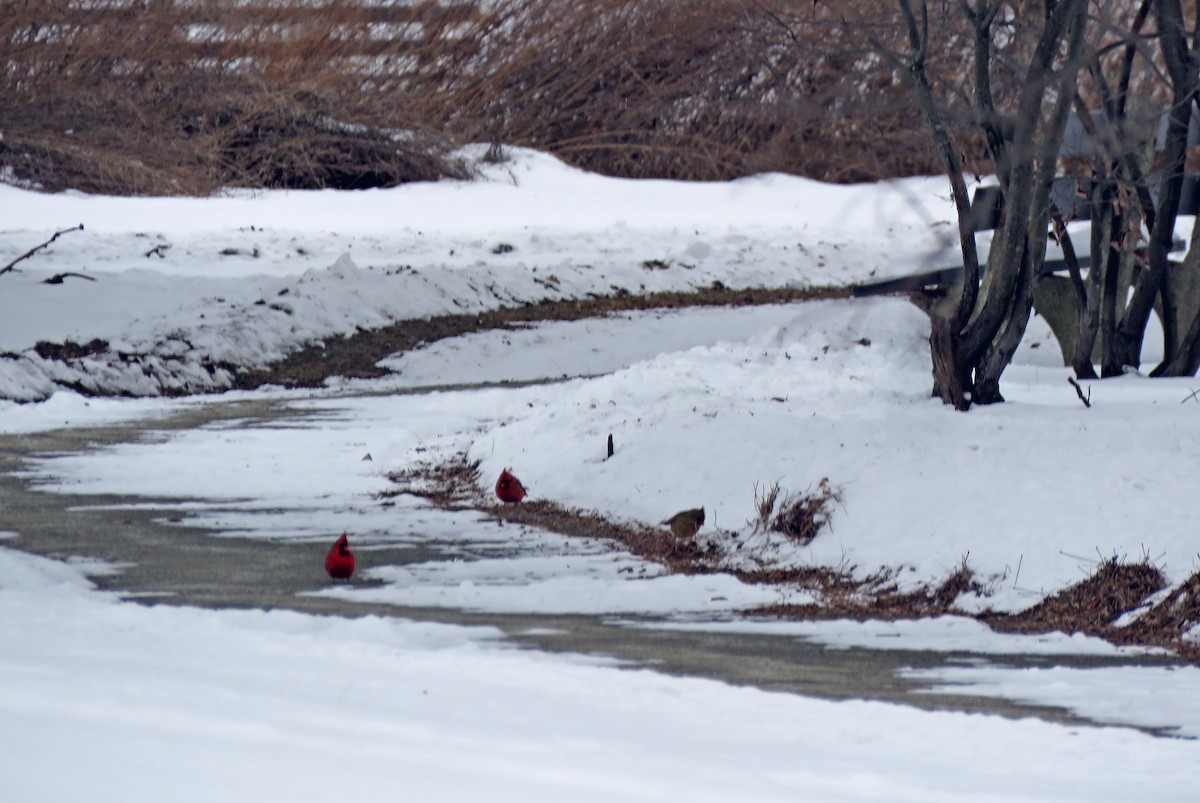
point(450, 485)
point(765, 497)
point(1091, 606)
point(1179, 612)
point(184, 97)
point(357, 355)
point(937, 599)
point(800, 516)
point(1168, 620)
point(1095, 606)
point(843, 596)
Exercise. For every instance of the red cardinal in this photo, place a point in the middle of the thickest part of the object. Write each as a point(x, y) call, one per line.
point(509, 488)
point(339, 561)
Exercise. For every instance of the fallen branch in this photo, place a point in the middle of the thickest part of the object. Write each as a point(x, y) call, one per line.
point(1087, 400)
point(1191, 396)
point(37, 248)
point(58, 277)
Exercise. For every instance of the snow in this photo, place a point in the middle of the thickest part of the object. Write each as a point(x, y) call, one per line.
point(1084, 690)
point(116, 701)
point(1063, 487)
point(108, 699)
point(951, 634)
point(254, 275)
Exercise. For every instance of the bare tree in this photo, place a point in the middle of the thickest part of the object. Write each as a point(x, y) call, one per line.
point(1120, 134)
point(976, 324)
point(1141, 77)
point(1180, 49)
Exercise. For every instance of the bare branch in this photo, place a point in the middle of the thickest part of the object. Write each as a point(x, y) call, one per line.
point(1069, 256)
point(1087, 400)
point(918, 41)
point(37, 248)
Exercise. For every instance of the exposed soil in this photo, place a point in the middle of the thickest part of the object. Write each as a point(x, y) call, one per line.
point(70, 350)
point(1092, 606)
point(356, 356)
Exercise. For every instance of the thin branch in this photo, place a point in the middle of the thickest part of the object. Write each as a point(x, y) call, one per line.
point(58, 278)
point(1139, 22)
point(918, 37)
point(37, 248)
point(1087, 400)
point(1070, 257)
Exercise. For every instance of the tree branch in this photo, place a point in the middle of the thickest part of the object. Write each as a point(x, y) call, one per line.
point(1063, 27)
point(1087, 400)
point(918, 37)
point(37, 248)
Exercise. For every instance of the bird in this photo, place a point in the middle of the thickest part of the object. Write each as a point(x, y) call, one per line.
point(686, 523)
point(339, 561)
point(509, 488)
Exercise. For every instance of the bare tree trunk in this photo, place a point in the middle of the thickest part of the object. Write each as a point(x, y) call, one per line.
point(1181, 53)
point(1187, 358)
point(1096, 300)
point(992, 337)
point(947, 314)
point(1110, 361)
point(949, 383)
point(1186, 276)
point(1181, 64)
point(1089, 309)
point(1000, 353)
point(976, 328)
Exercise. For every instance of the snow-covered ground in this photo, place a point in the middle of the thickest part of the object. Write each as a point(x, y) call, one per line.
point(110, 700)
point(256, 274)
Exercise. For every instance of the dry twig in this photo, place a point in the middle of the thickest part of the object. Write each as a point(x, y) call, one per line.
point(1087, 400)
point(37, 248)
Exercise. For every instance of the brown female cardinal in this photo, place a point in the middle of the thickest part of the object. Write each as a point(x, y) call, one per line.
point(339, 561)
point(509, 488)
point(686, 523)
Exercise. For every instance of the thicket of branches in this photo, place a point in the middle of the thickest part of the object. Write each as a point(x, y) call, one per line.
point(1016, 72)
point(168, 96)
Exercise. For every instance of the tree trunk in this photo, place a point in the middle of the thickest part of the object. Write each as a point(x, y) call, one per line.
point(976, 327)
point(950, 384)
point(1181, 64)
point(1187, 358)
point(1000, 352)
point(1110, 361)
point(1184, 279)
point(1089, 312)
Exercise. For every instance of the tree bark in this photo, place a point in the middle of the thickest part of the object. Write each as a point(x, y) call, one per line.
point(998, 330)
point(1181, 65)
point(949, 383)
point(1187, 358)
point(1185, 280)
point(1027, 196)
point(1089, 311)
point(976, 327)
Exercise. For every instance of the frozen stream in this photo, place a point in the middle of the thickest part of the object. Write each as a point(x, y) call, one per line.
point(159, 561)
